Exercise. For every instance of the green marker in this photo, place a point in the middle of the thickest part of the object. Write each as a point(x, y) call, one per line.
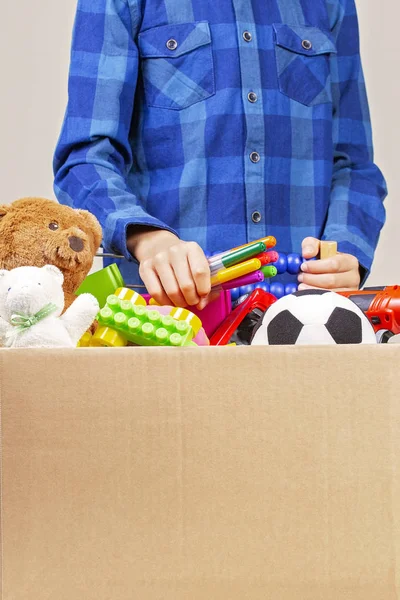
point(269, 271)
point(236, 256)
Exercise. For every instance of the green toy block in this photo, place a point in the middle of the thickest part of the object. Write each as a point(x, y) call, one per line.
point(142, 326)
point(102, 283)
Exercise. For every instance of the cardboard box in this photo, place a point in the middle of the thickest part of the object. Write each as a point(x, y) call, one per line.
point(201, 474)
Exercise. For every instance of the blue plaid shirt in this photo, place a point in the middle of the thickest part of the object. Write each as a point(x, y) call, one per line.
point(221, 121)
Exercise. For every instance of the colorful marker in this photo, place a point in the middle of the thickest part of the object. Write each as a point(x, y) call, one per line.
point(251, 278)
point(269, 271)
point(267, 258)
point(236, 256)
point(269, 242)
point(236, 271)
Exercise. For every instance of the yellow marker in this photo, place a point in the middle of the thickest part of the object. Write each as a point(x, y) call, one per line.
point(327, 249)
point(153, 302)
point(244, 268)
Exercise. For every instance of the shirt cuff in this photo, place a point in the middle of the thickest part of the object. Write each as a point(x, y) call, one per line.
point(116, 227)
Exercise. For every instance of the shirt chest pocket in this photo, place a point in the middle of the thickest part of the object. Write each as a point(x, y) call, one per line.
point(303, 63)
point(177, 65)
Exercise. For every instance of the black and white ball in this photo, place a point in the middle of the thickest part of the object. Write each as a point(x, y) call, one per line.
point(314, 317)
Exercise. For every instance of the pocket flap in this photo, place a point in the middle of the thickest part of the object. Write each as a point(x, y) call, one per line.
point(309, 41)
point(182, 38)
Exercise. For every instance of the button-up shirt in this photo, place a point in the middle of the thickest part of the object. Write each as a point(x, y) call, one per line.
point(221, 121)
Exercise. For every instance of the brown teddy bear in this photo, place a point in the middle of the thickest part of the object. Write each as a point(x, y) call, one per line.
point(36, 232)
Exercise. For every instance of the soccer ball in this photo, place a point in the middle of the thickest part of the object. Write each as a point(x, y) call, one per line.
point(314, 317)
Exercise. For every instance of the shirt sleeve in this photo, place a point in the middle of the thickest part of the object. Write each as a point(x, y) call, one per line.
point(356, 213)
point(93, 155)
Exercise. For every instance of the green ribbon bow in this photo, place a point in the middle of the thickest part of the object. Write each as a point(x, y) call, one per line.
point(22, 322)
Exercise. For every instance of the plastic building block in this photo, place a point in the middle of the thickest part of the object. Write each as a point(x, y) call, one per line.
point(127, 294)
point(84, 342)
point(201, 338)
point(123, 320)
point(186, 316)
point(213, 314)
point(327, 249)
point(102, 283)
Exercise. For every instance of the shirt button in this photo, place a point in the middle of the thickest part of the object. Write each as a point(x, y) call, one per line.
point(255, 157)
point(252, 97)
point(307, 45)
point(256, 216)
point(247, 36)
point(172, 44)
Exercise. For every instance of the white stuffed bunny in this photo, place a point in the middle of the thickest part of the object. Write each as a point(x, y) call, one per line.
point(31, 303)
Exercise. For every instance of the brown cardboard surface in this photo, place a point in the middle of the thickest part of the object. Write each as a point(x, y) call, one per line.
point(201, 474)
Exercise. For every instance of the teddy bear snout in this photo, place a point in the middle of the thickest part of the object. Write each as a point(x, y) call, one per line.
point(76, 244)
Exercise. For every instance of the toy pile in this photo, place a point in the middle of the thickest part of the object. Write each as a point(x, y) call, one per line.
point(49, 299)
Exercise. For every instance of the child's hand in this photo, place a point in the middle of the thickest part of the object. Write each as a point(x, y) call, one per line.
point(174, 272)
point(340, 272)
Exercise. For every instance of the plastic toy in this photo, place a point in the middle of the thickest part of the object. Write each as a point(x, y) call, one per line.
point(236, 271)
point(314, 317)
point(381, 305)
point(212, 315)
point(234, 257)
point(102, 283)
point(327, 249)
point(31, 306)
point(126, 318)
point(250, 263)
point(247, 315)
point(284, 263)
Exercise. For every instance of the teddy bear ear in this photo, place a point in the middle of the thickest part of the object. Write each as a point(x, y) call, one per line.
point(94, 226)
point(3, 210)
point(55, 272)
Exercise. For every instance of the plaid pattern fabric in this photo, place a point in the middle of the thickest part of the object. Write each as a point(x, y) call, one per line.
point(221, 121)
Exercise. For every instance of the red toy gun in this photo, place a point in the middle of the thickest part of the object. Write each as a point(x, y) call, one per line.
point(381, 305)
point(245, 319)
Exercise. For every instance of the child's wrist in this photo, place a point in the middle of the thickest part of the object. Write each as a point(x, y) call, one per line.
point(143, 241)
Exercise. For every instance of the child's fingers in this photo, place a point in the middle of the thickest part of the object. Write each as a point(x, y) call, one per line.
point(205, 301)
point(304, 286)
point(184, 278)
point(153, 284)
point(171, 285)
point(310, 247)
point(340, 263)
point(166, 275)
point(330, 281)
point(200, 270)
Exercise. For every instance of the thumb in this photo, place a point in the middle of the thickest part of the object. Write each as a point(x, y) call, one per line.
point(208, 300)
point(310, 247)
